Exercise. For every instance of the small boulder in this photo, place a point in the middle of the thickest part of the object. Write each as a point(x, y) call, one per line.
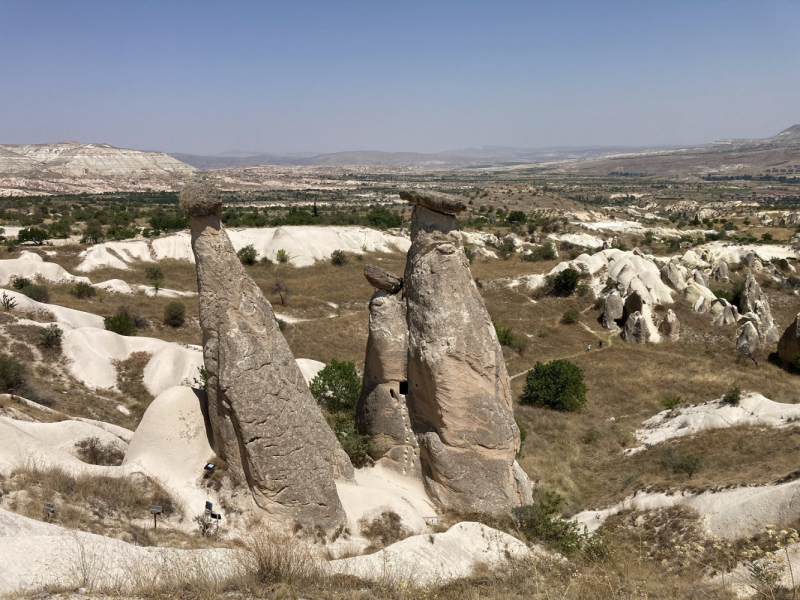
point(672, 276)
point(382, 279)
point(747, 342)
point(720, 272)
point(670, 326)
point(613, 311)
point(635, 330)
point(443, 203)
point(700, 277)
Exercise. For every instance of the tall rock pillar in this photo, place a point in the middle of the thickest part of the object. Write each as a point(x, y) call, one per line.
point(459, 394)
point(264, 420)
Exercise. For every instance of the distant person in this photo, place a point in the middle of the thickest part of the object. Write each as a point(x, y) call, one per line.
point(588, 347)
point(600, 344)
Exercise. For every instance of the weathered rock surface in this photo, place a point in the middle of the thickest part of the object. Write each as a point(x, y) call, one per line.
point(383, 279)
point(635, 329)
point(613, 311)
point(700, 277)
point(750, 294)
point(459, 394)
point(789, 344)
point(670, 326)
point(264, 421)
point(767, 328)
point(747, 342)
point(672, 276)
point(382, 412)
point(727, 316)
point(720, 272)
point(443, 203)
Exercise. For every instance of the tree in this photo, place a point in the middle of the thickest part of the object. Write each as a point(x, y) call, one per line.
point(174, 314)
point(282, 290)
point(93, 233)
point(33, 234)
point(516, 216)
point(565, 282)
point(154, 275)
point(557, 384)
point(59, 229)
point(338, 258)
point(247, 255)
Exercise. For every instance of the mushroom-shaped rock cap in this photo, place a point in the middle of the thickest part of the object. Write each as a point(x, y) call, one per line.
point(443, 203)
point(382, 279)
point(200, 197)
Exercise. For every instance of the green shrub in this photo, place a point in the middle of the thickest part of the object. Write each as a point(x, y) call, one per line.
point(522, 432)
point(570, 317)
point(20, 282)
point(33, 234)
point(544, 252)
point(732, 397)
point(338, 258)
point(671, 401)
point(504, 335)
point(8, 302)
point(248, 255)
point(174, 314)
point(516, 216)
point(599, 303)
point(591, 436)
point(12, 374)
point(688, 464)
point(541, 522)
point(51, 337)
point(282, 256)
point(121, 323)
point(566, 281)
point(557, 384)
point(83, 290)
point(337, 388)
point(36, 292)
point(154, 275)
point(93, 451)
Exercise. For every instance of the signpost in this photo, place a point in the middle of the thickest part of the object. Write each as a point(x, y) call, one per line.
point(155, 510)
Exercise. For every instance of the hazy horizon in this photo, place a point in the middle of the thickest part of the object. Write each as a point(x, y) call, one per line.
point(320, 77)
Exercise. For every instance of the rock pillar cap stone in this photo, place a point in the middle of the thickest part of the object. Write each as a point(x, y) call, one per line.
point(200, 197)
point(383, 279)
point(443, 203)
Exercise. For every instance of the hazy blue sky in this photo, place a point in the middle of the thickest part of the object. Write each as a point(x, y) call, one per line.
point(287, 76)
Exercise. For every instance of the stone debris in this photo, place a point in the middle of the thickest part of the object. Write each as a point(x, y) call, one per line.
point(382, 279)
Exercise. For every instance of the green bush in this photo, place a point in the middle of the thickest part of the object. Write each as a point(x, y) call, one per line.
point(516, 216)
point(337, 388)
point(504, 335)
point(570, 317)
point(541, 522)
point(566, 281)
point(282, 256)
point(20, 282)
point(338, 258)
point(732, 397)
point(93, 233)
point(599, 303)
point(51, 337)
point(557, 384)
point(174, 314)
point(121, 323)
point(688, 464)
point(12, 374)
point(671, 401)
point(36, 292)
point(154, 275)
point(83, 290)
point(248, 255)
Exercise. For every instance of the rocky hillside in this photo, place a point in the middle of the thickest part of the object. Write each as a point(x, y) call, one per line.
point(74, 167)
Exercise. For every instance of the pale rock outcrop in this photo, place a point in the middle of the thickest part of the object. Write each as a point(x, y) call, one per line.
point(672, 276)
point(699, 296)
point(459, 394)
point(748, 260)
point(727, 316)
point(635, 329)
point(382, 412)
point(670, 327)
point(747, 342)
point(264, 421)
point(789, 344)
point(613, 311)
point(700, 277)
point(767, 330)
point(720, 272)
point(750, 294)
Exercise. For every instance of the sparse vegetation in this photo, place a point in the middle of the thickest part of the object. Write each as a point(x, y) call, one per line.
point(565, 282)
point(83, 290)
point(154, 275)
point(732, 397)
point(671, 402)
point(96, 452)
point(12, 374)
point(50, 337)
point(248, 255)
point(282, 256)
point(571, 316)
point(339, 258)
point(175, 314)
point(121, 323)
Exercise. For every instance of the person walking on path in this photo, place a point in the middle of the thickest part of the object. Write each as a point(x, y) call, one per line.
point(600, 344)
point(588, 347)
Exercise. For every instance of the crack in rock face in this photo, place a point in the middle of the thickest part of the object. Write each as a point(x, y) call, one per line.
point(264, 421)
point(459, 394)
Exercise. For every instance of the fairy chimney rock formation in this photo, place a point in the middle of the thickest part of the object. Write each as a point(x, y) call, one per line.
point(264, 421)
point(459, 394)
point(789, 344)
point(382, 412)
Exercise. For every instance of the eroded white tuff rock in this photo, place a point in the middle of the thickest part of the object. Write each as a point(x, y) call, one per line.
point(635, 329)
point(459, 394)
point(265, 422)
point(789, 344)
point(672, 276)
point(670, 327)
point(613, 311)
point(382, 412)
point(755, 307)
point(720, 272)
point(747, 342)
